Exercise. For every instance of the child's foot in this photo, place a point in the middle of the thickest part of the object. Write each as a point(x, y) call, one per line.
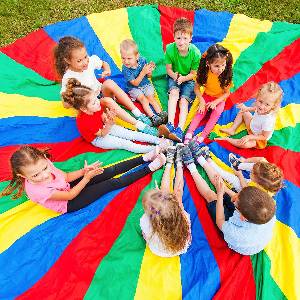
point(228, 131)
point(143, 118)
point(170, 154)
point(164, 144)
point(176, 135)
point(158, 162)
point(164, 117)
point(156, 120)
point(199, 139)
point(150, 130)
point(187, 156)
point(198, 151)
point(234, 161)
point(149, 156)
point(179, 148)
point(188, 137)
point(165, 129)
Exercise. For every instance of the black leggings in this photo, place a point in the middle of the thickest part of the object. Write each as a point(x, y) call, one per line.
point(104, 183)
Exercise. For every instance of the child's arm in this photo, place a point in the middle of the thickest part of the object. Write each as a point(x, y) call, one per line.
point(145, 71)
point(213, 104)
point(73, 192)
point(71, 176)
point(187, 77)
point(244, 108)
point(241, 178)
point(170, 72)
point(198, 94)
point(220, 217)
point(106, 69)
point(108, 120)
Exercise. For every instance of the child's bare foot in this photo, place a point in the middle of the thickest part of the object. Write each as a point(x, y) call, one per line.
point(220, 138)
point(228, 131)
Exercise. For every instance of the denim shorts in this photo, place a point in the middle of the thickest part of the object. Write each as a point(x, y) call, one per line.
point(229, 208)
point(186, 89)
point(147, 90)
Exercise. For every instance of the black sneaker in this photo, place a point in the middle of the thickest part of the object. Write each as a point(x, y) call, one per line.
point(164, 117)
point(171, 154)
point(197, 150)
point(187, 156)
point(179, 148)
point(156, 120)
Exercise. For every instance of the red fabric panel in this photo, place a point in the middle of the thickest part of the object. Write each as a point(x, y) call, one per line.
point(277, 69)
point(287, 160)
point(71, 275)
point(168, 15)
point(237, 280)
point(34, 51)
point(59, 151)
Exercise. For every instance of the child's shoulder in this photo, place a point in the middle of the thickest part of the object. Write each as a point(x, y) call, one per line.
point(170, 47)
point(193, 48)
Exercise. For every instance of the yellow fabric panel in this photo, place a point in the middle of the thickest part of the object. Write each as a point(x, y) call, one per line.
point(159, 278)
point(220, 163)
point(17, 105)
point(242, 33)
point(192, 113)
point(288, 116)
point(19, 220)
point(284, 252)
point(110, 40)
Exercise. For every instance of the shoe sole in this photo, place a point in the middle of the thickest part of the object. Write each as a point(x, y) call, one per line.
point(164, 131)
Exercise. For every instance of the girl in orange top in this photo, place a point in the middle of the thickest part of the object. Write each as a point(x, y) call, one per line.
point(215, 75)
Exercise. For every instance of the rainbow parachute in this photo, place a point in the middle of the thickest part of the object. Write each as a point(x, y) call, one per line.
point(98, 252)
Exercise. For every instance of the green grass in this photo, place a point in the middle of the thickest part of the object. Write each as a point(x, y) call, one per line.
point(20, 17)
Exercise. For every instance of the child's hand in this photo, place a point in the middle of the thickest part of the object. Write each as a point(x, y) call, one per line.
point(245, 139)
point(89, 174)
point(242, 107)
point(95, 165)
point(220, 187)
point(147, 69)
point(175, 77)
point(106, 73)
point(180, 79)
point(211, 105)
point(238, 173)
point(152, 65)
point(109, 117)
point(201, 108)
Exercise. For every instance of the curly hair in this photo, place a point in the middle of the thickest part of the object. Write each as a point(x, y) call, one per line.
point(268, 175)
point(212, 53)
point(75, 94)
point(168, 220)
point(63, 51)
point(22, 157)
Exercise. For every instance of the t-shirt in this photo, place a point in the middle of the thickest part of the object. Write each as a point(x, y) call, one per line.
point(154, 241)
point(213, 87)
point(89, 125)
point(182, 64)
point(260, 123)
point(86, 77)
point(41, 192)
point(245, 237)
point(132, 73)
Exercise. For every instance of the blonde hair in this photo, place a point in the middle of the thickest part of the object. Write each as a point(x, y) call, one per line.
point(268, 175)
point(184, 25)
point(129, 44)
point(75, 94)
point(273, 88)
point(168, 220)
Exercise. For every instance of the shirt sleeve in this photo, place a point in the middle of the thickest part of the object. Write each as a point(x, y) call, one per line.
point(128, 74)
point(196, 59)
point(63, 84)
point(96, 62)
point(146, 227)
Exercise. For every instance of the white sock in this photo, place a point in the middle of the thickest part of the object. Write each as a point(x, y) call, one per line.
point(192, 168)
point(140, 125)
point(246, 166)
point(201, 160)
point(179, 164)
point(136, 112)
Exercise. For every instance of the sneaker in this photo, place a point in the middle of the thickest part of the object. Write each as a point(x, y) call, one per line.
point(188, 137)
point(164, 117)
point(150, 130)
point(179, 148)
point(234, 161)
point(158, 162)
point(156, 120)
point(164, 144)
point(197, 150)
point(165, 129)
point(143, 118)
point(176, 135)
point(187, 156)
point(170, 154)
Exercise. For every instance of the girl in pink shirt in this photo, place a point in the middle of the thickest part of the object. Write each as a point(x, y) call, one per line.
point(67, 192)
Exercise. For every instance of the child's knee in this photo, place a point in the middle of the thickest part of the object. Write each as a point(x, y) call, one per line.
point(174, 93)
point(107, 101)
point(108, 83)
point(142, 99)
point(183, 103)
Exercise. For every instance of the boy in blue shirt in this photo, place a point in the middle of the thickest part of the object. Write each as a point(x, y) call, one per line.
point(136, 71)
point(182, 60)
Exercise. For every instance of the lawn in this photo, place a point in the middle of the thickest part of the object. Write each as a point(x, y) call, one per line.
point(20, 17)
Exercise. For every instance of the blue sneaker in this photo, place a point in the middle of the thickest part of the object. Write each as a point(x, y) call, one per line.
point(176, 135)
point(187, 156)
point(150, 130)
point(197, 150)
point(143, 118)
point(165, 129)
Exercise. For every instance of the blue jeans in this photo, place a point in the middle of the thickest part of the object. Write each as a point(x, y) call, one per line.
point(186, 89)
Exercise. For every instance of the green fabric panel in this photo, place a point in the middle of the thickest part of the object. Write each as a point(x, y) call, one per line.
point(72, 164)
point(144, 22)
point(266, 287)
point(115, 266)
point(17, 79)
point(265, 47)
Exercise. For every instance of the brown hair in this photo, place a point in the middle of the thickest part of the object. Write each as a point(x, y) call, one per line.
point(255, 205)
point(274, 88)
point(129, 44)
point(184, 25)
point(168, 220)
point(24, 156)
point(268, 175)
point(212, 53)
point(63, 51)
point(75, 94)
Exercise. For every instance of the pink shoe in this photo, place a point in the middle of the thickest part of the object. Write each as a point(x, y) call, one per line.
point(188, 137)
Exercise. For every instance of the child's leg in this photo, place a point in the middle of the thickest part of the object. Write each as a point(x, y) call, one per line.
point(246, 166)
point(237, 142)
point(183, 112)
point(154, 103)
point(172, 104)
point(213, 119)
point(178, 186)
point(145, 104)
point(241, 116)
point(194, 124)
